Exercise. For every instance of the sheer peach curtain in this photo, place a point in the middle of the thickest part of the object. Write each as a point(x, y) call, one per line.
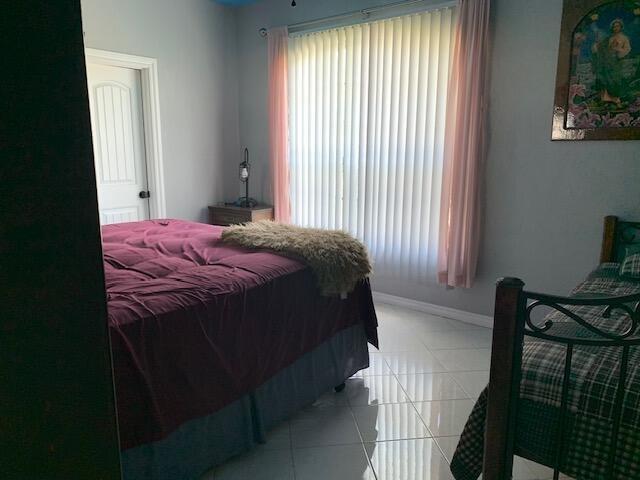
point(278, 122)
point(465, 147)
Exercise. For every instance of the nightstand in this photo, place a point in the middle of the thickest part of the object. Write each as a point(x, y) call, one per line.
point(230, 214)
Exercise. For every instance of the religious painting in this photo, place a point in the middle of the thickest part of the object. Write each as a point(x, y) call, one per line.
point(598, 79)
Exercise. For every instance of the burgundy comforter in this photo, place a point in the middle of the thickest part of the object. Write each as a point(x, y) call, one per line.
point(196, 324)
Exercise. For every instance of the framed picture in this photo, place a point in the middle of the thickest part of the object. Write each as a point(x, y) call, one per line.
point(598, 77)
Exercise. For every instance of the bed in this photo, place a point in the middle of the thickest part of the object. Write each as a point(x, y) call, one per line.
point(564, 387)
point(213, 344)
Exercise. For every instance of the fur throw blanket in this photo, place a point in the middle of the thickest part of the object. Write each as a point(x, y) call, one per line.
point(338, 260)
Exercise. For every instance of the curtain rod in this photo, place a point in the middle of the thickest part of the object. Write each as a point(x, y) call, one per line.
point(365, 12)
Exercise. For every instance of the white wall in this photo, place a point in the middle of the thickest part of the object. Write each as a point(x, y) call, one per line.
point(194, 43)
point(544, 201)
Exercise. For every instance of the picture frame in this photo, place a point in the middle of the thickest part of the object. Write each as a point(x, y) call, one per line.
point(597, 95)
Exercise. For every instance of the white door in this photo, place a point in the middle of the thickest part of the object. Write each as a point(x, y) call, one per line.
point(115, 99)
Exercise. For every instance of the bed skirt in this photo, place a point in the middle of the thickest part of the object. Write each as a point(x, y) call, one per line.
point(200, 444)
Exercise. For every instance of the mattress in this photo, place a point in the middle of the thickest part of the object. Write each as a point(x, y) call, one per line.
point(196, 324)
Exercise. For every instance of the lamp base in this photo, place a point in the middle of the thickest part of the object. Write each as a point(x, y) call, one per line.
point(246, 202)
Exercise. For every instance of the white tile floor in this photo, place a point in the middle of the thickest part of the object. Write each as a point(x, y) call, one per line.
point(398, 420)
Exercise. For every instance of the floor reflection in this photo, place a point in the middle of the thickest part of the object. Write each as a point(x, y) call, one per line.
point(400, 419)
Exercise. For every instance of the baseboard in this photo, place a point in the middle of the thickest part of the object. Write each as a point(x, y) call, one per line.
point(452, 313)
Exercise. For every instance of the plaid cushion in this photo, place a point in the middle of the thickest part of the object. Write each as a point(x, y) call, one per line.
point(630, 266)
point(593, 382)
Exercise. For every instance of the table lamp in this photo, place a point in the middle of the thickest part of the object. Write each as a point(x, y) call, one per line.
point(244, 172)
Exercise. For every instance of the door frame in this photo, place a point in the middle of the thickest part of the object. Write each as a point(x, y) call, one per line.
point(148, 68)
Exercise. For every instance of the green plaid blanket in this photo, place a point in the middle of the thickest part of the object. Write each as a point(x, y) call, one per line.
point(593, 383)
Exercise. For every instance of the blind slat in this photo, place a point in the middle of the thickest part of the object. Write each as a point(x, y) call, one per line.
point(367, 112)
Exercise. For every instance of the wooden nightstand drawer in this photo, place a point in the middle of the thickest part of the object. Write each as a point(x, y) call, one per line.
point(230, 215)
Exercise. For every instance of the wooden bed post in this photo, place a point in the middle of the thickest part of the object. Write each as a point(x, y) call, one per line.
point(607, 254)
point(504, 383)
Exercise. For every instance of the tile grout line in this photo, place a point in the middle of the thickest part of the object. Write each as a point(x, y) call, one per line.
point(441, 450)
point(364, 449)
point(466, 370)
point(411, 401)
point(449, 374)
point(395, 375)
point(433, 438)
point(464, 389)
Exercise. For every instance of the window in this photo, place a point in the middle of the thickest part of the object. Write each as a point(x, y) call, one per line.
point(366, 134)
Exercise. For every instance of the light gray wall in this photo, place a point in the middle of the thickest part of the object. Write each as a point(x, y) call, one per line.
point(252, 73)
point(194, 43)
point(544, 201)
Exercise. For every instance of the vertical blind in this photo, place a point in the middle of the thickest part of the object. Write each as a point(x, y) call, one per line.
point(366, 132)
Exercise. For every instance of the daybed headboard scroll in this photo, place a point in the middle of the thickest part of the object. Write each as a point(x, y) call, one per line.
point(617, 236)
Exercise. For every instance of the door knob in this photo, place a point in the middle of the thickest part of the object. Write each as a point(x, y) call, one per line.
point(144, 194)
